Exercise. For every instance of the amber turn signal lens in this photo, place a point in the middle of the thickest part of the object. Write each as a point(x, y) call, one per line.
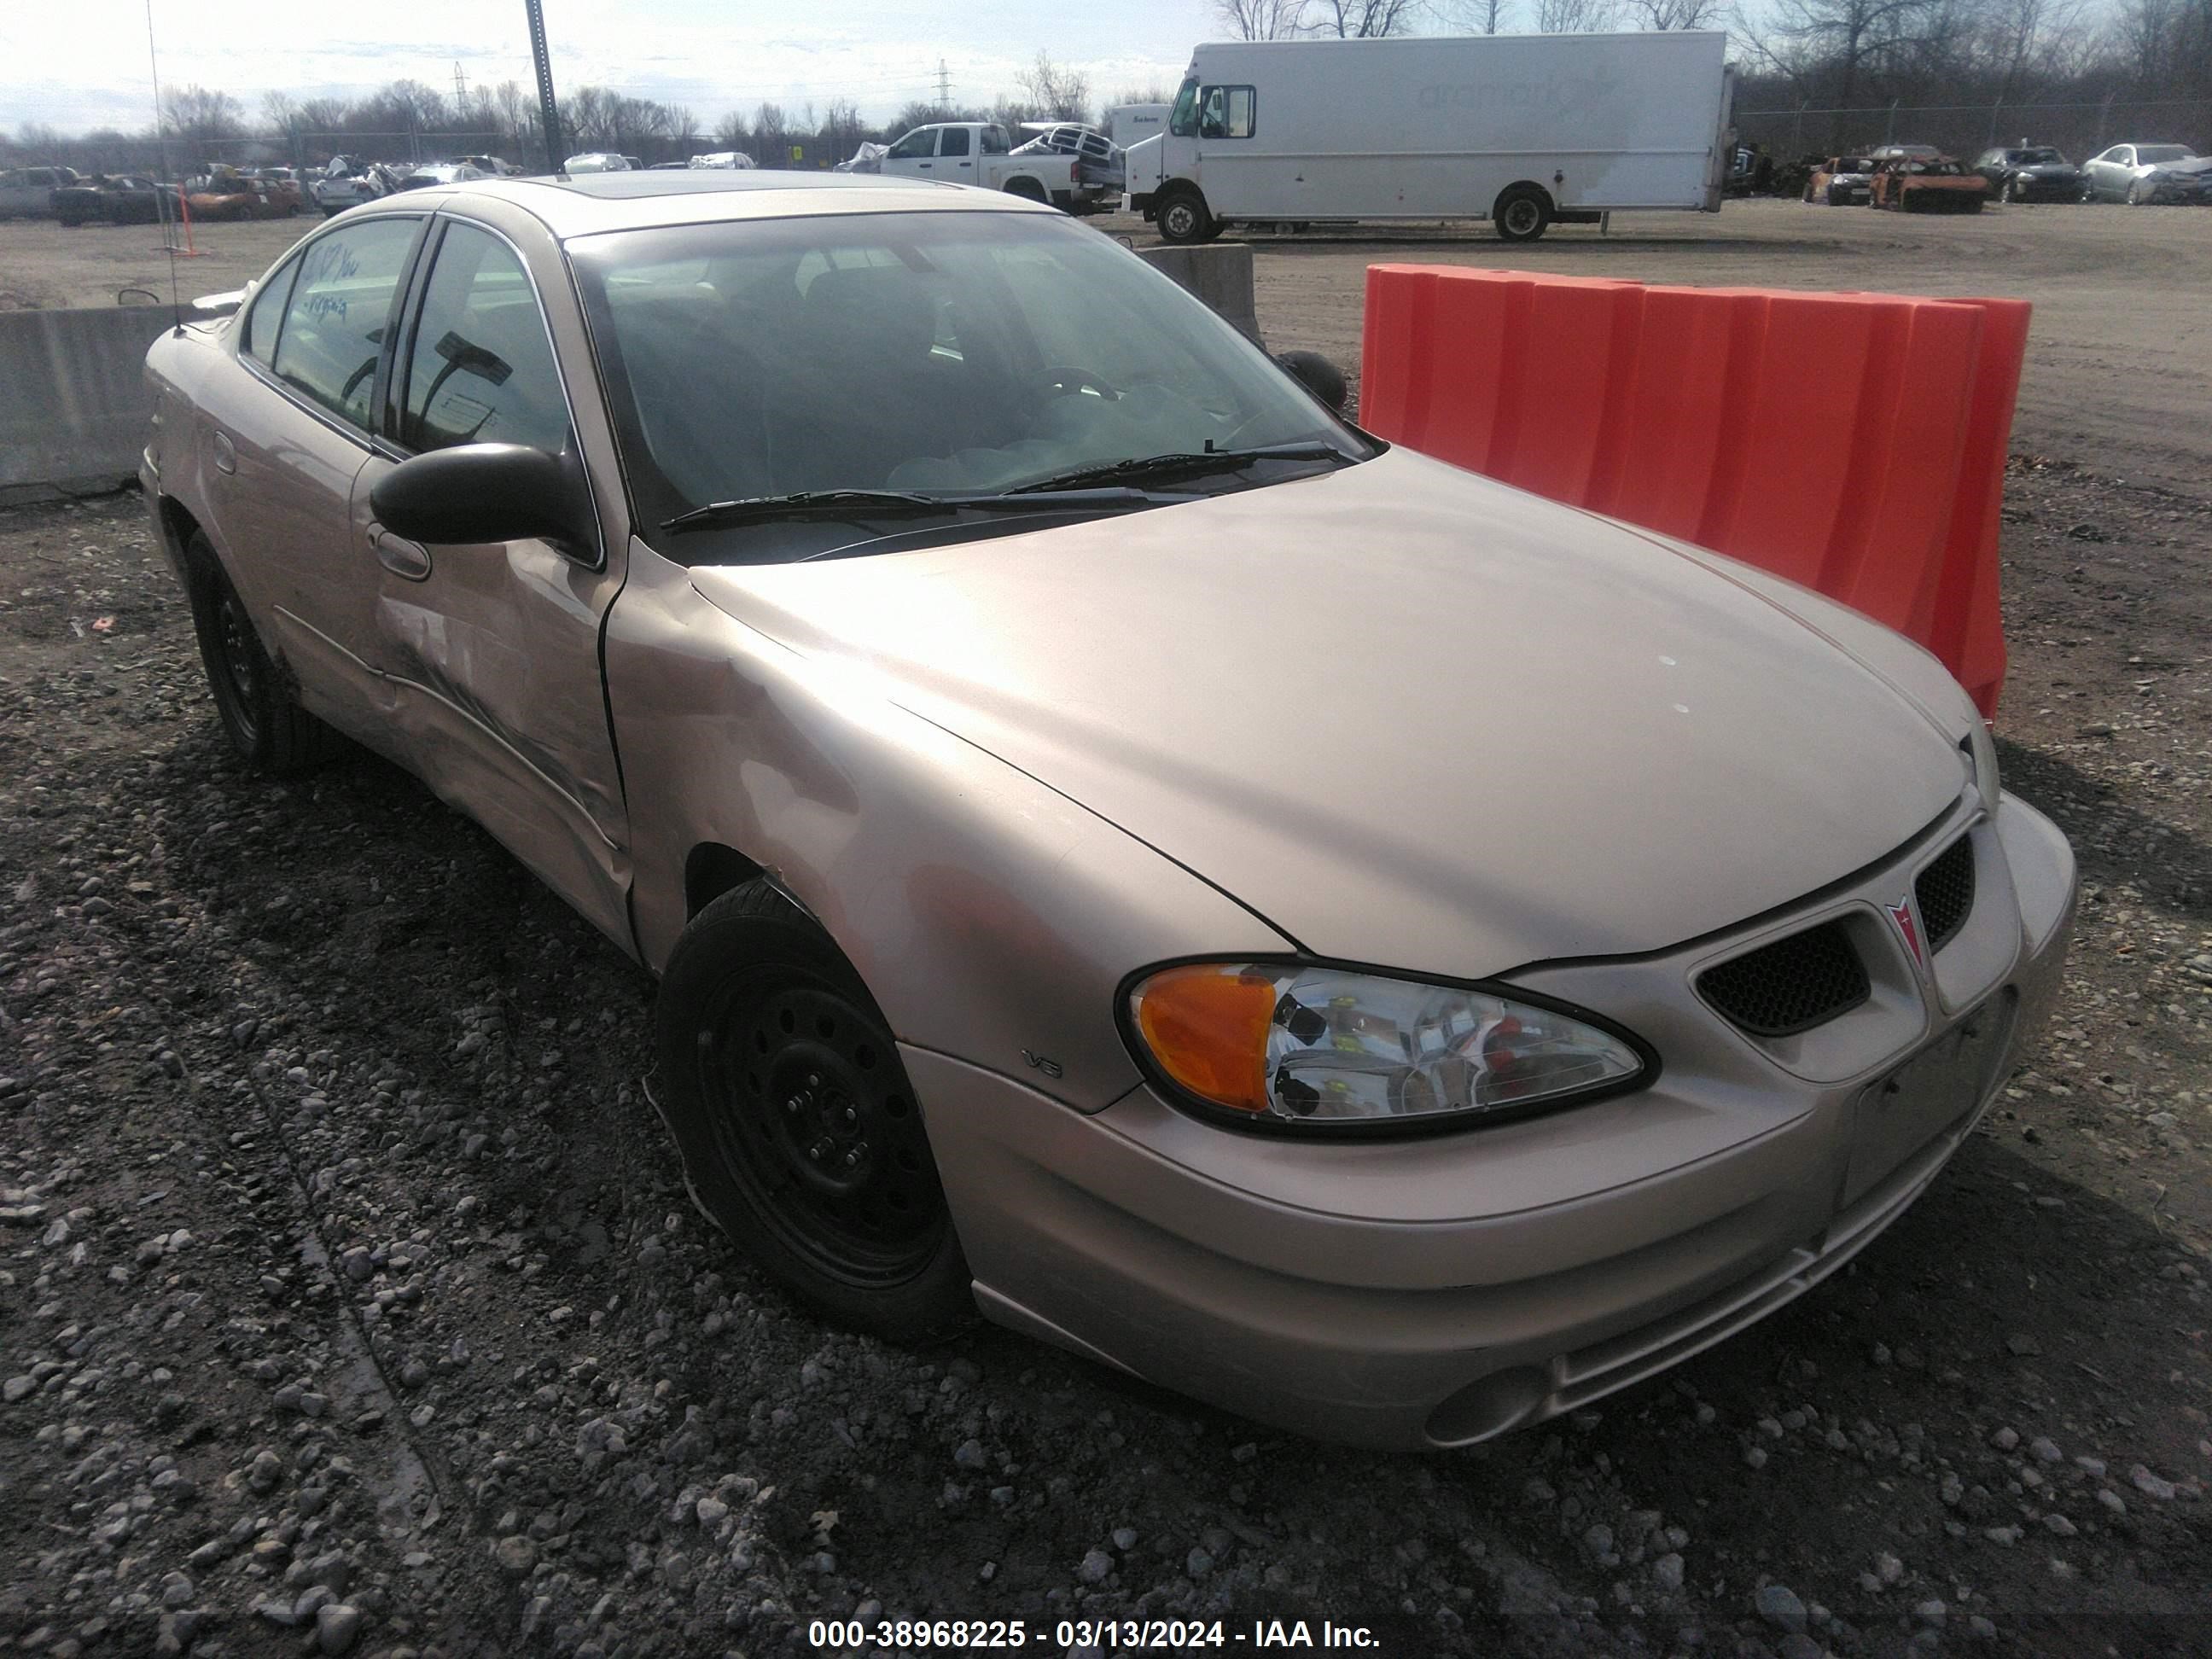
point(1207, 1025)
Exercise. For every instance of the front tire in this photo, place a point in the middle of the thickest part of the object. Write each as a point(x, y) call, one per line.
point(269, 730)
point(801, 1134)
point(1183, 219)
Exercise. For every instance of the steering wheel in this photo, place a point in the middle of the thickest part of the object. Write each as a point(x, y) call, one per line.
point(1069, 382)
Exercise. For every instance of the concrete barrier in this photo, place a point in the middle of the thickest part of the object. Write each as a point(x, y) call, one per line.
point(1220, 275)
point(73, 404)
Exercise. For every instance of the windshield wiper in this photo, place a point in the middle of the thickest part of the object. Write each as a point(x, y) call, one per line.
point(899, 503)
point(1185, 464)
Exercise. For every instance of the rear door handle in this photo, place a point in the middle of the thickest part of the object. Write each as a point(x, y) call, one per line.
point(226, 452)
point(401, 557)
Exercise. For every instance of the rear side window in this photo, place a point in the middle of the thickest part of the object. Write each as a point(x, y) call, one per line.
point(264, 315)
point(480, 369)
point(335, 316)
point(955, 142)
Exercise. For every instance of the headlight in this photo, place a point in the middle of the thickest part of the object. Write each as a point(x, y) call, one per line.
point(1981, 752)
point(1296, 1045)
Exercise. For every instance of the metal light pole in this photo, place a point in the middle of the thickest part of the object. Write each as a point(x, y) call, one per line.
point(549, 112)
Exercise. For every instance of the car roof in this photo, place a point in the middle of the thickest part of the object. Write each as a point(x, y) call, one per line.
point(589, 203)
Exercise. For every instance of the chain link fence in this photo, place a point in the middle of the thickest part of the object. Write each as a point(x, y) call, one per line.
point(2081, 130)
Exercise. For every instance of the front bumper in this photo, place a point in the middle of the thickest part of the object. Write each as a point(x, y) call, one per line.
point(1433, 1292)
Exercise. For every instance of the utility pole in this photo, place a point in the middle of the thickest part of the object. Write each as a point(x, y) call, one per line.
point(460, 88)
point(549, 112)
point(944, 89)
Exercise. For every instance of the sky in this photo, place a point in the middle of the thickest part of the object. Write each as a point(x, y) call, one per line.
point(83, 64)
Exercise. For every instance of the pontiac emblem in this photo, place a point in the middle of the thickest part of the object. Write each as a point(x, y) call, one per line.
point(1901, 914)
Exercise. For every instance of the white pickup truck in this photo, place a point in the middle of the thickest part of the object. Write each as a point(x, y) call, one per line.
point(978, 153)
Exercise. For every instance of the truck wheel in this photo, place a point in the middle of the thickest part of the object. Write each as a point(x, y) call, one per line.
point(270, 733)
point(1028, 189)
point(1521, 213)
point(800, 1134)
point(1184, 218)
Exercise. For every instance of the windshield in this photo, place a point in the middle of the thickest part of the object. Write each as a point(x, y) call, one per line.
point(933, 353)
point(2148, 153)
point(2038, 158)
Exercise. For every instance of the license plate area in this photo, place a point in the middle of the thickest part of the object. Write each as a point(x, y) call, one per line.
point(1929, 1095)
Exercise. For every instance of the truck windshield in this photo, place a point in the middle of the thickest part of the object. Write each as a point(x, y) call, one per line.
point(1183, 122)
point(932, 352)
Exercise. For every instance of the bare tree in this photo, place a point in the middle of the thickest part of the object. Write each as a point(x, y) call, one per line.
point(1680, 13)
point(1155, 93)
point(732, 131)
point(1056, 94)
point(1574, 17)
point(1476, 16)
point(1258, 20)
point(1844, 37)
point(771, 132)
point(1363, 19)
point(197, 115)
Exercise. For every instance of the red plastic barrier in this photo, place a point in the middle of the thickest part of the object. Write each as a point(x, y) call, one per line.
point(1853, 442)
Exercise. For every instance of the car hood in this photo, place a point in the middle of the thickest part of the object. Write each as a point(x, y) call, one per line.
point(2050, 170)
point(2194, 166)
point(1409, 715)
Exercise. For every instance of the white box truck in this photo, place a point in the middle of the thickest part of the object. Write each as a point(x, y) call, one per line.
point(1526, 131)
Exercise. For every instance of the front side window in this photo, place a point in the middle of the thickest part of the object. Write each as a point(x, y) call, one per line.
point(921, 142)
point(480, 367)
point(335, 314)
point(955, 142)
point(1225, 111)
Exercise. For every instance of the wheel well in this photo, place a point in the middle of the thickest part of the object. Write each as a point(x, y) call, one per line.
point(710, 871)
point(1516, 187)
point(180, 526)
point(1022, 185)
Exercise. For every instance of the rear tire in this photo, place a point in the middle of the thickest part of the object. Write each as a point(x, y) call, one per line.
point(800, 1134)
point(1522, 213)
point(1184, 218)
point(269, 730)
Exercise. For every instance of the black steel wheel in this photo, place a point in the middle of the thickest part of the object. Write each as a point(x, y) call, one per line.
point(801, 1135)
point(1184, 218)
point(269, 730)
point(1521, 213)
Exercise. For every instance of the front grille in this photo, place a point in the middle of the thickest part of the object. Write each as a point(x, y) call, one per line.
point(1945, 892)
point(1792, 985)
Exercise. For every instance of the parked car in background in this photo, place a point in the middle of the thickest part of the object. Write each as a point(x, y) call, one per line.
point(344, 182)
point(2031, 172)
point(2145, 175)
point(732, 160)
point(1841, 181)
point(1920, 179)
point(28, 192)
point(492, 167)
point(978, 153)
point(596, 161)
point(1399, 1066)
point(228, 193)
point(439, 173)
point(1099, 172)
point(116, 199)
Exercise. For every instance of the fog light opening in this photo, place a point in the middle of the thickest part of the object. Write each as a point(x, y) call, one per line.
point(1488, 1408)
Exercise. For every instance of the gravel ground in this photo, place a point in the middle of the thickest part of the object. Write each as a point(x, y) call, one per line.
point(350, 1301)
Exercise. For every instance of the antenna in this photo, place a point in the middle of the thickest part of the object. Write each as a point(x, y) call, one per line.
point(161, 200)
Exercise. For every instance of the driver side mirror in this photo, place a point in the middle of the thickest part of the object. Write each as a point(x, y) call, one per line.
point(1318, 376)
point(474, 492)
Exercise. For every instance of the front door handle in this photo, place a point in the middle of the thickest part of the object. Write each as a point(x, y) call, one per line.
point(401, 557)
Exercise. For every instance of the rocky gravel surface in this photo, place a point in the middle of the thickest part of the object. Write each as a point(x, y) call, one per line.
point(350, 1301)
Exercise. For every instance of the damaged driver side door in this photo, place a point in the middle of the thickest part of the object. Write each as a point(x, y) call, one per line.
point(491, 653)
